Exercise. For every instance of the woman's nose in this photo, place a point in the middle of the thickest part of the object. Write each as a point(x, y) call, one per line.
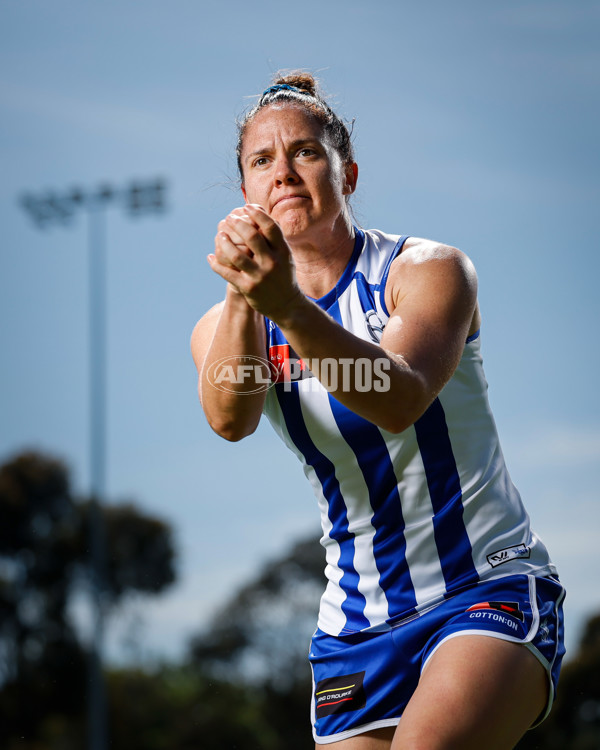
point(284, 172)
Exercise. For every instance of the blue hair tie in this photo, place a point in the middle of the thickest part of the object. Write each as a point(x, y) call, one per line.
point(281, 87)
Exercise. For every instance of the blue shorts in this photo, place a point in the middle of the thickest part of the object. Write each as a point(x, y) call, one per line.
point(363, 681)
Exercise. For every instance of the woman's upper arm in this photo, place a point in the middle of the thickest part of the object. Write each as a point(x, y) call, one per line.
point(203, 334)
point(432, 295)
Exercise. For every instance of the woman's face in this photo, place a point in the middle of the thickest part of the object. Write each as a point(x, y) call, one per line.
point(294, 173)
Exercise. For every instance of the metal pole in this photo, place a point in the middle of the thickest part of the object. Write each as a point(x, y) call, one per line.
point(140, 198)
point(97, 706)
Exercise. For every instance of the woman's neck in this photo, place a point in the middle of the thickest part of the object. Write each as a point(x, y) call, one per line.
point(319, 265)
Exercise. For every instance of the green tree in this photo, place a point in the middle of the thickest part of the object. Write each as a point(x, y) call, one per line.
point(574, 723)
point(179, 708)
point(44, 565)
point(260, 639)
point(261, 635)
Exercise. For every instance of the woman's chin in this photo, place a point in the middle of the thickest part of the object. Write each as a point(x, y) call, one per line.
point(293, 223)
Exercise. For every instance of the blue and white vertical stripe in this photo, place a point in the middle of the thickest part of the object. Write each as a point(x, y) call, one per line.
point(407, 519)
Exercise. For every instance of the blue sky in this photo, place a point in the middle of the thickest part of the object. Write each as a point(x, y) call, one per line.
point(475, 124)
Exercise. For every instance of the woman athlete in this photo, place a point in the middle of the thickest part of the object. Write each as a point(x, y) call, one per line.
point(441, 624)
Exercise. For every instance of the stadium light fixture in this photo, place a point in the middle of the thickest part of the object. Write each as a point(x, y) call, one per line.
point(139, 198)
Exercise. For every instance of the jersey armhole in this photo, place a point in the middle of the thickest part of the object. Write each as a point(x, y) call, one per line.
point(395, 253)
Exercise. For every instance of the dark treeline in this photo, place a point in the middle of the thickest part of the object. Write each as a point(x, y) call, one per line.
point(244, 684)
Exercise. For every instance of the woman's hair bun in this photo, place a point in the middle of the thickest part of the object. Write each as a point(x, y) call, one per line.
point(300, 80)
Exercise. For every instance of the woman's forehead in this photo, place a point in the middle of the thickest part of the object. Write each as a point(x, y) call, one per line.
point(289, 121)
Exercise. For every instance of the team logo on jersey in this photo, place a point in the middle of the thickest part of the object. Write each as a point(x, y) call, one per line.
point(374, 325)
point(336, 695)
point(500, 556)
point(286, 365)
point(511, 608)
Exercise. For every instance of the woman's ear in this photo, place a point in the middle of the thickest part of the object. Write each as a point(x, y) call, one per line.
point(351, 175)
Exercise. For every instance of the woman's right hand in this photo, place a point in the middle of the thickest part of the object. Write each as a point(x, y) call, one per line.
point(227, 253)
point(253, 256)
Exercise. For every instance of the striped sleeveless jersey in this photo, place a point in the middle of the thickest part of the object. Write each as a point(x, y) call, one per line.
point(407, 519)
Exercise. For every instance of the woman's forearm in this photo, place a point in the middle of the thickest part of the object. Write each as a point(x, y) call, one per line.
point(232, 376)
point(374, 383)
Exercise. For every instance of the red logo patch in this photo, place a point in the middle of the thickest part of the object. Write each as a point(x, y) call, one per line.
point(288, 365)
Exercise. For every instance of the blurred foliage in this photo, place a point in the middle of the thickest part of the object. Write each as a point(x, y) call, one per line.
point(44, 569)
point(260, 639)
point(574, 723)
point(262, 635)
point(140, 552)
point(180, 708)
point(245, 683)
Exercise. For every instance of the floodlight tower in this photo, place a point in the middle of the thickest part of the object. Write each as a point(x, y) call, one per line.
point(138, 198)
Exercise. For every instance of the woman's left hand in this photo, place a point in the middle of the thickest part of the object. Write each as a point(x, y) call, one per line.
point(261, 266)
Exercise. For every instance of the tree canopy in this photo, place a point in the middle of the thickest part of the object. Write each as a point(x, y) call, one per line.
point(44, 567)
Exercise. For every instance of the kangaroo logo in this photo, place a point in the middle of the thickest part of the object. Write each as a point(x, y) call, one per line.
point(374, 325)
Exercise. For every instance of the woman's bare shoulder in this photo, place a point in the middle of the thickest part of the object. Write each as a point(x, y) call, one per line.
point(429, 265)
point(418, 250)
